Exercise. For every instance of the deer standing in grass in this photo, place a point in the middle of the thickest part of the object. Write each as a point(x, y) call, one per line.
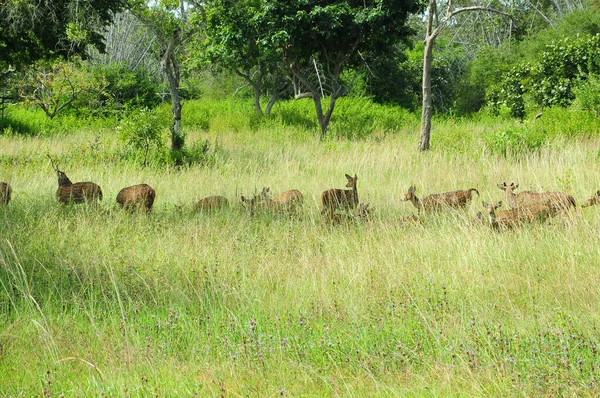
point(137, 197)
point(440, 201)
point(593, 200)
point(508, 219)
point(556, 201)
point(5, 193)
point(342, 199)
point(286, 202)
point(211, 203)
point(79, 192)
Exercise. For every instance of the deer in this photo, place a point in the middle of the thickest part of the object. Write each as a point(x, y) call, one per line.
point(211, 203)
point(285, 202)
point(440, 201)
point(342, 199)
point(139, 196)
point(5, 193)
point(592, 201)
point(80, 192)
point(365, 214)
point(557, 201)
point(509, 219)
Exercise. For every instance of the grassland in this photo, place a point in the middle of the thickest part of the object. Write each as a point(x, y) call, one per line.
point(104, 303)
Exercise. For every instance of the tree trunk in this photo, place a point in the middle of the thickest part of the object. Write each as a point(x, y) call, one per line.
point(426, 109)
point(257, 88)
point(171, 68)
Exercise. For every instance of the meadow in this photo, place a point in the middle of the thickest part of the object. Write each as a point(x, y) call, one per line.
point(100, 302)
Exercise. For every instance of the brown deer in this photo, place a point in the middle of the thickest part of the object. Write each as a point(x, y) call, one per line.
point(440, 201)
point(5, 193)
point(136, 197)
point(365, 214)
point(80, 192)
point(211, 203)
point(593, 200)
point(508, 219)
point(286, 202)
point(342, 199)
point(556, 201)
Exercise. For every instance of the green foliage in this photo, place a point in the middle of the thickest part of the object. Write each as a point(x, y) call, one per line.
point(142, 129)
point(32, 30)
point(587, 94)
point(123, 89)
point(515, 140)
point(551, 80)
point(55, 86)
point(20, 120)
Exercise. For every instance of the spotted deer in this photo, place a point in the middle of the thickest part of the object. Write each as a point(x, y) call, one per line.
point(556, 201)
point(286, 202)
point(74, 193)
point(340, 199)
point(509, 219)
point(5, 193)
point(440, 201)
point(211, 203)
point(139, 196)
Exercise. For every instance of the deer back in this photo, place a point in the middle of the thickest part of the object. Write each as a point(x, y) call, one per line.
point(5, 193)
point(211, 203)
point(136, 196)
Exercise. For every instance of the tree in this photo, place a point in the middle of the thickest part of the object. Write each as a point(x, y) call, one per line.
point(36, 29)
point(320, 40)
point(169, 22)
point(315, 42)
point(430, 36)
point(236, 40)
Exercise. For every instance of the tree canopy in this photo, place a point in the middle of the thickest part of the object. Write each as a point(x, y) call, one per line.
point(35, 29)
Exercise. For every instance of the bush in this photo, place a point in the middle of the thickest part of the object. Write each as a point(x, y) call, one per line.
point(516, 140)
point(142, 129)
point(587, 95)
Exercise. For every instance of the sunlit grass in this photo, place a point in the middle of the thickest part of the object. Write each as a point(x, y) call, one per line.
point(104, 302)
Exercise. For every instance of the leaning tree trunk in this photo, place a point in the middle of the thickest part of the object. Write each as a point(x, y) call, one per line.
point(171, 68)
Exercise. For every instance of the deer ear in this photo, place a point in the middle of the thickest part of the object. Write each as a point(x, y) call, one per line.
point(355, 177)
point(502, 186)
point(598, 193)
point(348, 177)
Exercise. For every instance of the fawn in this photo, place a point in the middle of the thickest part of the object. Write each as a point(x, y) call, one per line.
point(440, 201)
point(593, 200)
point(286, 202)
point(511, 218)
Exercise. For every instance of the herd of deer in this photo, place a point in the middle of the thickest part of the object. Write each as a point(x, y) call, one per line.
point(338, 205)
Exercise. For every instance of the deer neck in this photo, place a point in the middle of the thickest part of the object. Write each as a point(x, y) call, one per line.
point(354, 195)
point(418, 203)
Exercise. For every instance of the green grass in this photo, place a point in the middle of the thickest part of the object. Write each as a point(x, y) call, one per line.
point(104, 303)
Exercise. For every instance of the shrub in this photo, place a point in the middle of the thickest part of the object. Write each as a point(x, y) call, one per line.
point(142, 129)
point(587, 95)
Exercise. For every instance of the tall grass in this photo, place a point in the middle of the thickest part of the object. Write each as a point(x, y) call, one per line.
point(101, 302)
